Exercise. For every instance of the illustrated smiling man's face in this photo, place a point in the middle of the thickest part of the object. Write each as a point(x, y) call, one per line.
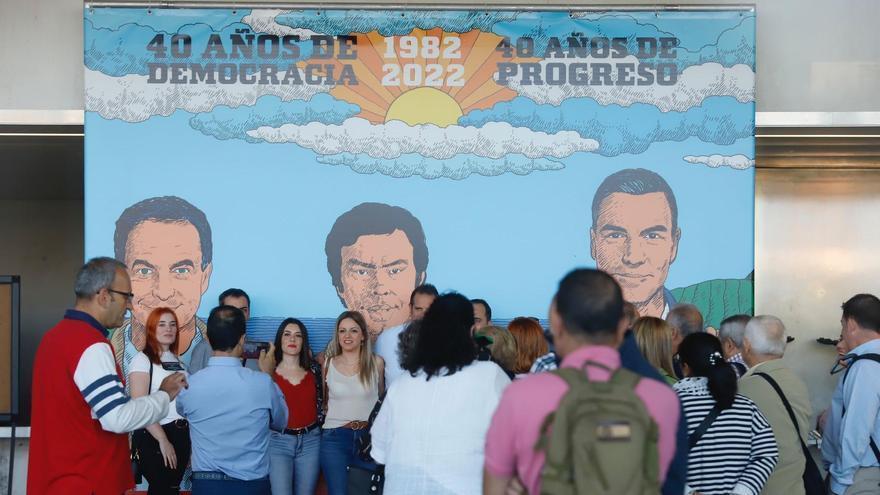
point(378, 275)
point(633, 240)
point(164, 260)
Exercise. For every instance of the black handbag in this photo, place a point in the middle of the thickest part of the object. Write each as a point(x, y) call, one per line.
point(136, 438)
point(362, 480)
point(365, 442)
point(136, 467)
point(813, 483)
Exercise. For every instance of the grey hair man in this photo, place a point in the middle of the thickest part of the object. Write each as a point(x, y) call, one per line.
point(81, 414)
point(731, 335)
point(165, 243)
point(763, 347)
point(684, 319)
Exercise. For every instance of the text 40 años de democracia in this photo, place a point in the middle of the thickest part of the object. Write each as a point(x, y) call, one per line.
point(247, 58)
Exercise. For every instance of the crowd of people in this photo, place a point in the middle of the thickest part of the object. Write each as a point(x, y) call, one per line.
point(604, 401)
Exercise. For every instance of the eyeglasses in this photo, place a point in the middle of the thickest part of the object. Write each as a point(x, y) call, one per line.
point(842, 363)
point(127, 295)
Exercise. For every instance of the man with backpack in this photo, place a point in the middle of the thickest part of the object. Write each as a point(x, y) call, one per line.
point(591, 426)
point(852, 432)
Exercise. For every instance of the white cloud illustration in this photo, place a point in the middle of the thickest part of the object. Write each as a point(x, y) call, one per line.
point(457, 168)
point(263, 21)
point(132, 99)
point(738, 162)
point(395, 138)
point(694, 84)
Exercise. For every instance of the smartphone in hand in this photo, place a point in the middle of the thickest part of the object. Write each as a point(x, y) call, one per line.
point(252, 349)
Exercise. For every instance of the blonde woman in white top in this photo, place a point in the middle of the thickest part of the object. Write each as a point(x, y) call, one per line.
point(163, 448)
point(353, 381)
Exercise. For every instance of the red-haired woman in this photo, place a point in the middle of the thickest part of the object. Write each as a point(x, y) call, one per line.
point(530, 342)
point(163, 448)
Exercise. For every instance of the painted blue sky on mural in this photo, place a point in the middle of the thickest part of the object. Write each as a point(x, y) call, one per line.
point(500, 176)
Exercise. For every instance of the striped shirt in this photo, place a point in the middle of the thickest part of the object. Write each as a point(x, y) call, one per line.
point(547, 362)
point(738, 451)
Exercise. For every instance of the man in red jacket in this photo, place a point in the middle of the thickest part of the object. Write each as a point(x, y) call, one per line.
point(81, 413)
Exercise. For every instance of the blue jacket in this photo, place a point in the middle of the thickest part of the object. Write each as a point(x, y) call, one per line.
point(631, 358)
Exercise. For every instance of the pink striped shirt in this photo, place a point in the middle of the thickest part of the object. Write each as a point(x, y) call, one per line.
point(510, 442)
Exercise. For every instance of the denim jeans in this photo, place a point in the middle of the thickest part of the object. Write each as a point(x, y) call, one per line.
point(294, 462)
point(338, 451)
point(230, 487)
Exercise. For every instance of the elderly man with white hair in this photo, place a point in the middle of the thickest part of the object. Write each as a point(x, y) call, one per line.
point(770, 383)
point(731, 333)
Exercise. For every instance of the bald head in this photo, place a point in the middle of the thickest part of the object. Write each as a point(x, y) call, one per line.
point(764, 339)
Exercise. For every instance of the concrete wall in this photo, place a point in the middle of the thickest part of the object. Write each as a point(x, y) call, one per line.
point(19, 476)
point(813, 55)
point(42, 240)
point(815, 248)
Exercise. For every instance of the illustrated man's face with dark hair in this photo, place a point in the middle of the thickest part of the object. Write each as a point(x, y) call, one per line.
point(164, 260)
point(633, 240)
point(378, 275)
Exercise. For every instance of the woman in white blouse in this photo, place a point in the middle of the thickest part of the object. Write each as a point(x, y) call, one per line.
point(353, 381)
point(432, 425)
point(163, 449)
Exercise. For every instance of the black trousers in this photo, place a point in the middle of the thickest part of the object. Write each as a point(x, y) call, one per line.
point(163, 480)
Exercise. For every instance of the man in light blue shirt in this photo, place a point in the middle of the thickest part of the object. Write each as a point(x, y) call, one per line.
point(230, 410)
point(420, 300)
point(852, 436)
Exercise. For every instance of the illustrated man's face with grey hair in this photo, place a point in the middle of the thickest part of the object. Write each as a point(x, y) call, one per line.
point(164, 261)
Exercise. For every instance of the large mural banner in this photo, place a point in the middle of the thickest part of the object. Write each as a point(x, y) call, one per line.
point(331, 159)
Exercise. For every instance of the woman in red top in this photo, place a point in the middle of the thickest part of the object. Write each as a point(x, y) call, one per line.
point(294, 454)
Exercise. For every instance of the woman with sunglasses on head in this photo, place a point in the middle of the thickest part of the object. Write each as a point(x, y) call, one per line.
point(353, 380)
point(294, 455)
point(163, 449)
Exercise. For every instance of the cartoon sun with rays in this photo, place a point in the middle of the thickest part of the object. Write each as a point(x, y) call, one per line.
point(427, 77)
